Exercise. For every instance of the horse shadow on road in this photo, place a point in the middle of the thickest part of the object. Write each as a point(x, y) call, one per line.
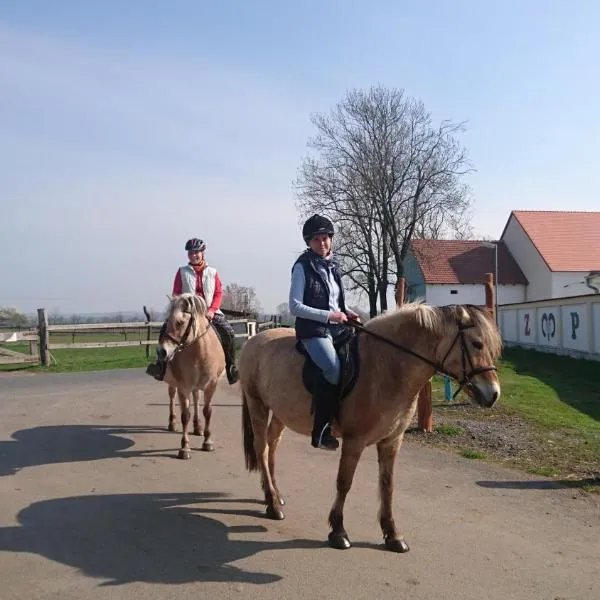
point(153, 538)
point(55, 444)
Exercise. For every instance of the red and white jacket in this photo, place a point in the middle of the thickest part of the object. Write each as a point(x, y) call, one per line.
point(203, 282)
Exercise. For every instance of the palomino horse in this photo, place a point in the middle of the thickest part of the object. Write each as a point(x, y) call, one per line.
point(461, 341)
point(195, 362)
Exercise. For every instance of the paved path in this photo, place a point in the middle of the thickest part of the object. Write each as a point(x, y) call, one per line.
point(94, 505)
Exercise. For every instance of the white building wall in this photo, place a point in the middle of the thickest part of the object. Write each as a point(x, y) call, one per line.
point(562, 278)
point(529, 259)
point(441, 294)
point(561, 325)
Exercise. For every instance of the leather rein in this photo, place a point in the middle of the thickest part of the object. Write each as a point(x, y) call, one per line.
point(464, 381)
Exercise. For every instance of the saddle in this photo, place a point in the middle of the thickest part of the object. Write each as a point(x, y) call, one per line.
point(346, 346)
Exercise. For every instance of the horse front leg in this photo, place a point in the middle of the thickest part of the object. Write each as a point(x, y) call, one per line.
point(184, 404)
point(351, 452)
point(172, 417)
point(274, 432)
point(387, 450)
point(196, 399)
point(209, 392)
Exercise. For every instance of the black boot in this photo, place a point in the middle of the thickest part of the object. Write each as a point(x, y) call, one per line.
point(227, 337)
point(324, 400)
point(157, 369)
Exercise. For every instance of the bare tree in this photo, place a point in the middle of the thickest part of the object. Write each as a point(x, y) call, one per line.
point(240, 298)
point(385, 174)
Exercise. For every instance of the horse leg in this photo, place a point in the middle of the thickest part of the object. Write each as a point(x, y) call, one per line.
point(259, 417)
point(351, 452)
point(195, 396)
point(184, 403)
point(172, 417)
point(387, 450)
point(207, 446)
point(274, 432)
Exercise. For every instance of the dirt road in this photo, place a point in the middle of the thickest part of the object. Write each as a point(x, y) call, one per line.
point(95, 505)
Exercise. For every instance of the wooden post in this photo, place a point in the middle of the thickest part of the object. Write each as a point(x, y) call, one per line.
point(400, 291)
point(148, 331)
point(43, 333)
point(425, 408)
point(490, 294)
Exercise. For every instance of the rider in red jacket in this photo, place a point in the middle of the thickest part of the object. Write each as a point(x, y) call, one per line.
point(198, 278)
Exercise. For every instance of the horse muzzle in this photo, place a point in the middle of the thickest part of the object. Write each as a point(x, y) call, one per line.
point(483, 391)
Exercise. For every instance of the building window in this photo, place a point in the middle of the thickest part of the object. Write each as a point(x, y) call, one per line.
point(454, 291)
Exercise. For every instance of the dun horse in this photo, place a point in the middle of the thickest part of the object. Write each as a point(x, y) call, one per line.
point(399, 352)
point(196, 361)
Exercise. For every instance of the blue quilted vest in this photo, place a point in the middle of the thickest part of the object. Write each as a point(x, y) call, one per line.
point(316, 294)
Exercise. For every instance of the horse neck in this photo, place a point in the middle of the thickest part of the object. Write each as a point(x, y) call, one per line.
point(402, 370)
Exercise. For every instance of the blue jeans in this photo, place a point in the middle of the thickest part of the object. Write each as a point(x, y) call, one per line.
point(323, 354)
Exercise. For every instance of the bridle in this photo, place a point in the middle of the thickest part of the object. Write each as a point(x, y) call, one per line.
point(182, 342)
point(466, 358)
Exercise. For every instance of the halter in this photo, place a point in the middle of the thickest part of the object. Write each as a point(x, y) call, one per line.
point(465, 381)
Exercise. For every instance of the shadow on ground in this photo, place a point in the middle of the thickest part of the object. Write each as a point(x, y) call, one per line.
point(69, 443)
point(153, 538)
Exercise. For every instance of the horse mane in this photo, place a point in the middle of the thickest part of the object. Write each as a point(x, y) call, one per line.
point(440, 321)
point(187, 303)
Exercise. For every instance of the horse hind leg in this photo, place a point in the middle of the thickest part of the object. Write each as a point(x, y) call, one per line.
point(172, 416)
point(209, 392)
point(274, 432)
point(351, 452)
point(255, 422)
point(196, 399)
point(387, 450)
point(184, 403)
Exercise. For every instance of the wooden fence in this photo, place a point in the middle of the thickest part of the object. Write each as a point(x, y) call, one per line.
point(40, 344)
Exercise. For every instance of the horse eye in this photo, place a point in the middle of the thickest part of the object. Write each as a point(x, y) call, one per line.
point(477, 345)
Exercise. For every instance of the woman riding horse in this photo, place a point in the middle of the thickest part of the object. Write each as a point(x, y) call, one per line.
point(198, 278)
point(317, 300)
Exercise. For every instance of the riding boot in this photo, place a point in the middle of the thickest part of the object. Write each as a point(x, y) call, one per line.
point(230, 366)
point(227, 337)
point(158, 369)
point(324, 398)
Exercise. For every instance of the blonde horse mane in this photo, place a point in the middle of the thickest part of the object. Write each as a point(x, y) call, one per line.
point(441, 321)
point(190, 303)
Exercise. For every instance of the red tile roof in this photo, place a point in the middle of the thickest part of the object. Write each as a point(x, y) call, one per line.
point(566, 240)
point(465, 261)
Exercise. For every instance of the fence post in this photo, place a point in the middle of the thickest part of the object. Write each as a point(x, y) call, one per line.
point(490, 294)
point(43, 333)
point(148, 331)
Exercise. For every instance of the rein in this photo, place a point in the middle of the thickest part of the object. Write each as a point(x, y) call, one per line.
point(465, 381)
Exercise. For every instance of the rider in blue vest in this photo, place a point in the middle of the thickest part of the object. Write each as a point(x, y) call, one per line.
point(317, 300)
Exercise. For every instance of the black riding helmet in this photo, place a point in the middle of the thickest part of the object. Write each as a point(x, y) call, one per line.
point(195, 245)
point(316, 225)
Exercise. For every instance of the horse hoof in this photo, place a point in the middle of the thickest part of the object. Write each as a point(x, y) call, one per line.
point(208, 447)
point(184, 454)
point(396, 545)
point(275, 513)
point(339, 541)
point(172, 427)
point(198, 431)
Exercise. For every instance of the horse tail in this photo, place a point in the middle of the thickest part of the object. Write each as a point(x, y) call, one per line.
point(248, 432)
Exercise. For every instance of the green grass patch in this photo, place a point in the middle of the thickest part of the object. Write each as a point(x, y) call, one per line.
point(473, 454)
point(451, 430)
point(545, 471)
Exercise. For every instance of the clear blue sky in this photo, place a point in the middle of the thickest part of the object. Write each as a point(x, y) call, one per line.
point(127, 127)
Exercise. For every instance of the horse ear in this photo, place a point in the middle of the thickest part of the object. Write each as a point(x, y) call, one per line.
point(463, 316)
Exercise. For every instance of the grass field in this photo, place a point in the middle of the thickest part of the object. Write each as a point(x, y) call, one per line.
point(546, 422)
